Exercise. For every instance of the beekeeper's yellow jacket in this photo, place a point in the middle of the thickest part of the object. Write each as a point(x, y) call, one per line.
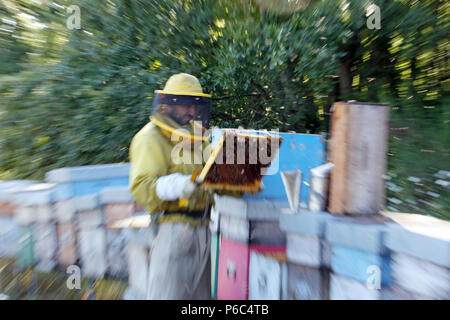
point(150, 158)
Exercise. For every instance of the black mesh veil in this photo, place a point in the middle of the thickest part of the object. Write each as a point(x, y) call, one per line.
point(189, 112)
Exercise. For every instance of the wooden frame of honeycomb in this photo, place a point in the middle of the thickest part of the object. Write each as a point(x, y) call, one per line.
point(243, 175)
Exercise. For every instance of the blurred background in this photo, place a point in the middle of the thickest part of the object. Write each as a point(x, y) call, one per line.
point(72, 97)
point(76, 97)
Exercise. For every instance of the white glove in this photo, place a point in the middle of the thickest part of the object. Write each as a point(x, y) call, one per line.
point(174, 186)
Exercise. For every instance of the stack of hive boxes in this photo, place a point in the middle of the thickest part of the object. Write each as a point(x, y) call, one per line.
point(35, 214)
point(360, 262)
point(358, 151)
point(251, 241)
point(383, 257)
point(366, 254)
point(268, 276)
point(308, 255)
point(81, 234)
point(117, 205)
point(139, 238)
point(72, 221)
point(101, 250)
point(247, 228)
point(420, 257)
point(67, 232)
point(9, 228)
point(83, 238)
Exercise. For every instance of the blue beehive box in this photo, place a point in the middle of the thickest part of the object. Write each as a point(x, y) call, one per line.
point(79, 181)
point(297, 151)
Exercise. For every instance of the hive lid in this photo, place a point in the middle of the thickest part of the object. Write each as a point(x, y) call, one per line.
point(35, 194)
point(9, 188)
point(88, 173)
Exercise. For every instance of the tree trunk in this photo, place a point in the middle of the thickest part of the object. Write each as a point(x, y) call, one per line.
point(346, 77)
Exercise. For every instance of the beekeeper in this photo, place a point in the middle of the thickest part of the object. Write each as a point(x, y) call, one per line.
point(160, 180)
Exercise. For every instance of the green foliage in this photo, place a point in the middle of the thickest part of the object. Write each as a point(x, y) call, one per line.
point(77, 97)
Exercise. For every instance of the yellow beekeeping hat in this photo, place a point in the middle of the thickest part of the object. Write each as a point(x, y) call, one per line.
point(183, 84)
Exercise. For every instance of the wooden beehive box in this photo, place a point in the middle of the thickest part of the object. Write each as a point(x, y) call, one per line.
point(358, 150)
point(239, 160)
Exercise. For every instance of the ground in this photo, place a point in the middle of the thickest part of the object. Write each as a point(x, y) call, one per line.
point(28, 284)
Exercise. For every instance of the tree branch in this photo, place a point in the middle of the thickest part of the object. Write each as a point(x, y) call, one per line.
point(238, 96)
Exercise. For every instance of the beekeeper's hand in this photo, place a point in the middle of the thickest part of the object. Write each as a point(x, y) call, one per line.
point(174, 186)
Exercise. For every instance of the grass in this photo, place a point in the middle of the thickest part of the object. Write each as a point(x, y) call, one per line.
point(31, 285)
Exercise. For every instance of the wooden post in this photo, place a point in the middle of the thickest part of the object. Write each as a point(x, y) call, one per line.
point(358, 150)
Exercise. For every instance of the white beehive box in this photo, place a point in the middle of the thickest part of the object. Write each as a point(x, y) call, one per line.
point(267, 278)
point(117, 204)
point(8, 189)
point(139, 240)
point(307, 283)
point(34, 207)
point(92, 248)
point(342, 288)
point(45, 246)
point(74, 215)
point(9, 237)
point(117, 253)
point(138, 264)
point(420, 252)
point(67, 244)
point(35, 203)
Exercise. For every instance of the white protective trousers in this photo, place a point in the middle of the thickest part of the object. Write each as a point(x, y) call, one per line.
point(180, 266)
